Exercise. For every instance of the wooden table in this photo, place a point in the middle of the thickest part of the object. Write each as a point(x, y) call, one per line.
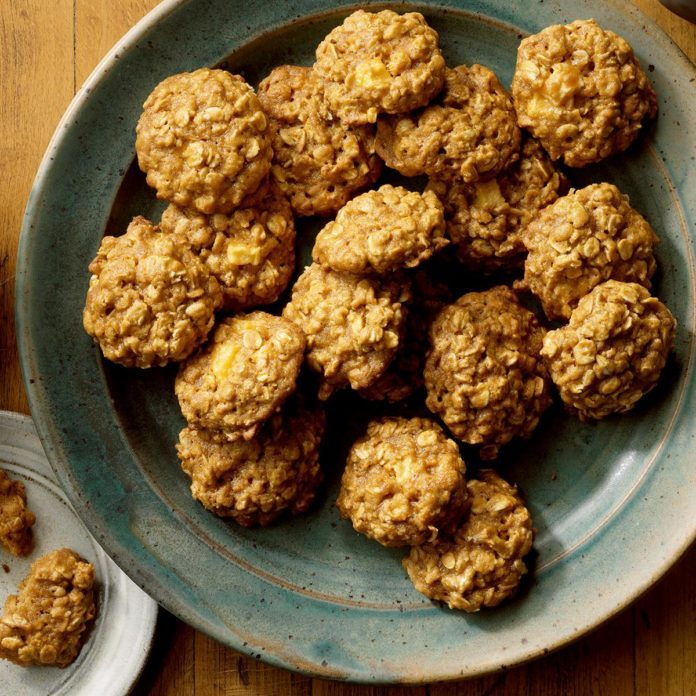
point(47, 49)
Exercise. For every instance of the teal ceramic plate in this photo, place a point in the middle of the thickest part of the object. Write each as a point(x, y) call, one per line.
point(614, 503)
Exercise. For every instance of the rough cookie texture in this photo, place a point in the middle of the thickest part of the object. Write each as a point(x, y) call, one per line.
point(256, 481)
point(318, 162)
point(481, 565)
point(150, 300)
point(203, 140)
point(379, 63)
point(581, 240)
point(483, 373)
point(469, 133)
point(242, 376)
point(612, 351)
point(580, 90)
point(485, 220)
point(404, 376)
point(16, 520)
point(382, 231)
point(353, 325)
point(250, 252)
point(403, 483)
point(44, 623)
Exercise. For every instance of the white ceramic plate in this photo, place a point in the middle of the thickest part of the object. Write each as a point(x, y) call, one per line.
point(113, 656)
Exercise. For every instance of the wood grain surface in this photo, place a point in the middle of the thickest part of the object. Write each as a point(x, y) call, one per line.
point(47, 49)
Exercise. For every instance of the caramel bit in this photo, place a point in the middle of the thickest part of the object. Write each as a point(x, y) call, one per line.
point(44, 623)
point(16, 520)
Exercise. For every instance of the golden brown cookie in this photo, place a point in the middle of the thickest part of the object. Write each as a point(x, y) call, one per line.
point(581, 240)
point(243, 374)
point(319, 162)
point(481, 565)
point(151, 300)
point(469, 133)
point(203, 140)
point(377, 63)
point(612, 351)
point(353, 325)
point(382, 231)
point(483, 373)
point(256, 481)
point(580, 90)
point(16, 520)
point(44, 624)
point(485, 220)
point(250, 252)
point(403, 483)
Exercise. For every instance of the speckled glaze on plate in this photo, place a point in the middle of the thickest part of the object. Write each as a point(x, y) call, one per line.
point(118, 644)
point(614, 503)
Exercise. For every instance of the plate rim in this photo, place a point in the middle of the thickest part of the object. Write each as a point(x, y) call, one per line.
point(95, 524)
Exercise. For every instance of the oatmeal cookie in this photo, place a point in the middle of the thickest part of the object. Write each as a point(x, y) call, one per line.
point(483, 373)
point(481, 564)
point(485, 220)
point(203, 140)
point(250, 252)
point(379, 63)
point(612, 351)
point(150, 301)
point(469, 133)
point(581, 240)
point(353, 325)
point(255, 481)
point(382, 231)
point(16, 520)
point(404, 376)
point(403, 483)
point(243, 374)
point(318, 162)
point(580, 90)
point(44, 623)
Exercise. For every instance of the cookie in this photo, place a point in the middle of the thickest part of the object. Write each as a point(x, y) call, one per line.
point(377, 63)
point(203, 140)
point(579, 89)
point(319, 162)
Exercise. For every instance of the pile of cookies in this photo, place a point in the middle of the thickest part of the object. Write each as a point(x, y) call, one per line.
point(372, 313)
